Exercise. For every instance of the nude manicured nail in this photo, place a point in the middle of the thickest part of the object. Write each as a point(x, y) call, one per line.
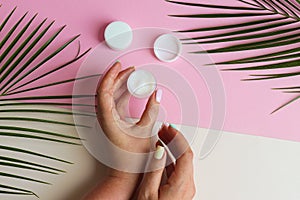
point(173, 126)
point(159, 152)
point(158, 95)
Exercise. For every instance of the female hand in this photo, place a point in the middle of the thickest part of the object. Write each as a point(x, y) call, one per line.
point(113, 98)
point(180, 183)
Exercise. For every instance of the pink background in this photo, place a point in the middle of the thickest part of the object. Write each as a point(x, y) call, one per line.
point(248, 104)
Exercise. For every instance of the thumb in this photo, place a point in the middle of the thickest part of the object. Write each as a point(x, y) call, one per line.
point(151, 111)
point(152, 178)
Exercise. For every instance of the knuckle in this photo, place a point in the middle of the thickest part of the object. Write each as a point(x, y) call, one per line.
point(146, 195)
point(189, 154)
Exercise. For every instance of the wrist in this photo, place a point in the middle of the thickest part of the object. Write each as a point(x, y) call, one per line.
point(126, 177)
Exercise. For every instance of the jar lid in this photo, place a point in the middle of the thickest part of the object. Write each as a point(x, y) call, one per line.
point(118, 35)
point(167, 48)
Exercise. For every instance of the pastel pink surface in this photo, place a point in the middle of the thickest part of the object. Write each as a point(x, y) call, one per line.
point(248, 104)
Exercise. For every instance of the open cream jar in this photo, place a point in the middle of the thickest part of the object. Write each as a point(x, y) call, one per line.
point(141, 83)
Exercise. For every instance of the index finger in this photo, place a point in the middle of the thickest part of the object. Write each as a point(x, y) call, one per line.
point(105, 90)
point(181, 150)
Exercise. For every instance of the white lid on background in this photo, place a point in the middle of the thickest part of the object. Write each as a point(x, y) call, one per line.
point(118, 35)
point(167, 47)
point(141, 83)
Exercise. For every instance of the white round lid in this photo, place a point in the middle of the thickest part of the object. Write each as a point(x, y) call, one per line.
point(118, 35)
point(167, 48)
point(141, 83)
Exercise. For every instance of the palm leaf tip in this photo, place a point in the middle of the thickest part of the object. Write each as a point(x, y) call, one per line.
point(11, 188)
point(285, 104)
point(286, 21)
point(7, 18)
point(211, 6)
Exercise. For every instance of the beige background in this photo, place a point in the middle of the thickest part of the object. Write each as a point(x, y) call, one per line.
point(240, 167)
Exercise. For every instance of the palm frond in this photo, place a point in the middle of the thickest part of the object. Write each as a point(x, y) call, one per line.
point(277, 42)
point(272, 76)
point(16, 64)
point(16, 39)
point(248, 37)
point(24, 54)
point(32, 58)
point(52, 84)
point(8, 103)
point(222, 15)
point(286, 64)
point(15, 160)
point(28, 136)
point(230, 26)
point(31, 119)
point(23, 178)
point(7, 18)
point(21, 47)
point(278, 26)
point(11, 31)
point(33, 130)
point(24, 151)
point(19, 166)
point(78, 57)
point(286, 88)
point(250, 30)
point(264, 57)
point(16, 193)
point(286, 104)
point(47, 111)
point(16, 190)
point(212, 6)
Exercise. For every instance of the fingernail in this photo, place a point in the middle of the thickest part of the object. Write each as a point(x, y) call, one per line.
point(167, 124)
point(158, 143)
point(117, 61)
point(173, 126)
point(158, 95)
point(159, 152)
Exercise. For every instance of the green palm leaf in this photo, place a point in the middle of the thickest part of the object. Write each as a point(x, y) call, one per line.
point(7, 103)
point(248, 37)
point(9, 164)
point(16, 39)
point(53, 70)
point(52, 84)
point(278, 19)
point(222, 15)
point(22, 177)
point(18, 56)
point(250, 30)
point(19, 191)
point(47, 111)
point(245, 24)
point(16, 193)
point(31, 119)
point(24, 151)
point(277, 42)
point(212, 6)
point(28, 136)
point(5, 39)
point(30, 163)
point(273, 76)
point(32, 130)
point(286, 64)
point(7, 18)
